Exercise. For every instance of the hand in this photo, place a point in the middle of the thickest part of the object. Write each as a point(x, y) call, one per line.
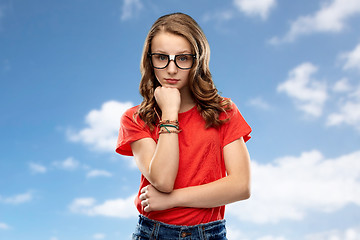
point(168, 99)
point(154, 200)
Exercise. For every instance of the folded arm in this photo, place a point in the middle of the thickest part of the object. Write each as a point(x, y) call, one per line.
point(234, 187)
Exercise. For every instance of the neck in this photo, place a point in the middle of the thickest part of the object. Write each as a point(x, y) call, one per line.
point(187, 102)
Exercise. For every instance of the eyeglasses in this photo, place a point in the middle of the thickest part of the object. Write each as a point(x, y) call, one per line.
point(182, 61)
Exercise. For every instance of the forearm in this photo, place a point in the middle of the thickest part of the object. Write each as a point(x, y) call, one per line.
point(221, 192)
point(164, 165)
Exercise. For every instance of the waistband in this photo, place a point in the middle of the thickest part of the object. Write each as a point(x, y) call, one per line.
point(159, 230)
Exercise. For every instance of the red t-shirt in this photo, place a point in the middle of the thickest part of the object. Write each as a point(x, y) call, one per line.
point(201, 158)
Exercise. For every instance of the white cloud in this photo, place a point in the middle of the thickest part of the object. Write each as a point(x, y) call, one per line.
point(348, 234)
point(352, 59)
point(17, 199)
point(130, 7)
point(258, 102)
point(349, 111)
point(103, 126)
point(68, 164)
point(308, 93)
point(258, 8)
point(220, 15)
point(37, 168)
point(268, 237)
point(99, 236)
point(234, 233)
point(342, 85)
point(120, 208)
point(53, 238)
point(291, 187)
point(98, 173)
point(4, 226)
point(331, 17)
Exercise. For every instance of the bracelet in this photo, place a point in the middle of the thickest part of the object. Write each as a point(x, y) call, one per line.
point(175, 122)
point(169, 125)
point(169, 131)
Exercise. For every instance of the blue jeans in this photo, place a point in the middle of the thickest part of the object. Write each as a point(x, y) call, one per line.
point(148, 229)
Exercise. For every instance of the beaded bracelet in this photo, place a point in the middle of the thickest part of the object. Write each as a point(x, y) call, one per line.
point(168, 131)
point(169, 123)
point(175, 122)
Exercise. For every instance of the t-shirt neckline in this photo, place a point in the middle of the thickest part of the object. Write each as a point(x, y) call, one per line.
point(188, 111)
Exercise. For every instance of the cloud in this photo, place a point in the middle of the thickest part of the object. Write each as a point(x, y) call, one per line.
point(308, 94)
point(257, 8)
point(130, 7)
point(17, 199)
point(68, 164)
point(219, 16)
point(258, 102)
point(98, 173)
point(352, 59)
point(348, 112)
point(348, 234)
point(234, 233)
point(103, 126)
point(37, 168)
point(4, 226)
point(99, 236)
point(331, 17)
point(292, 186)
point(269, 237)
point(342, 85)
point(120, 208)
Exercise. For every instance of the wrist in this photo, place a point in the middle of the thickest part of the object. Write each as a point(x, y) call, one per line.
point(174, 200)
point(169, 115)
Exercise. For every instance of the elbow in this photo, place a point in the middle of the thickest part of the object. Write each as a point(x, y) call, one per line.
point(244, 193)
point(165, 187)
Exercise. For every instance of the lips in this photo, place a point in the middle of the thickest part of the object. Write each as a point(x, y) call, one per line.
point(171, 80)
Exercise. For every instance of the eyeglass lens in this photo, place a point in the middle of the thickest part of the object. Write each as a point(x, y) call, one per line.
point(182, 61)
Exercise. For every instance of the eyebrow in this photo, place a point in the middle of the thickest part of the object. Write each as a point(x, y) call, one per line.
point(166, 53)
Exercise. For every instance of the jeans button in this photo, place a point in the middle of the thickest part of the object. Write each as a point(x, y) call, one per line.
point(185, 234)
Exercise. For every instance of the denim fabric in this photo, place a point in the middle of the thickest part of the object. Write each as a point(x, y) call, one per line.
point(148, 229)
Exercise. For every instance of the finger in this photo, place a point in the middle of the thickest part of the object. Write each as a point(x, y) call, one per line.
point(147, 208)
point(144, 203)
point(144, 189)
point(142, 196)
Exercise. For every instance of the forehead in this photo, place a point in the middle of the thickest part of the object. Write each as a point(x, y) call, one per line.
point(165, 42)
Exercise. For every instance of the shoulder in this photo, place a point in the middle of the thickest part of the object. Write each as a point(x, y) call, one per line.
point(130, 114)
point(229, 108)
point(131, 110)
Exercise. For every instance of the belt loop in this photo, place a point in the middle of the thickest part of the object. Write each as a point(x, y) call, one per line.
point(202, 232)
point(155, 232)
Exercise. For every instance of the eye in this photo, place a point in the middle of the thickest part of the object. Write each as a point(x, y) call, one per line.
point(161, 57)
point(183, 58)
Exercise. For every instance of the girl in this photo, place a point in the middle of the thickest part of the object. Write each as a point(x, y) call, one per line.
point(187, 140)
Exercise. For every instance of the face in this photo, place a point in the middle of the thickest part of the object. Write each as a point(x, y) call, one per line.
point(171, 44)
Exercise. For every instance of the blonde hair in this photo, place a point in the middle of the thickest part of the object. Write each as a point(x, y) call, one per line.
point(202, 88)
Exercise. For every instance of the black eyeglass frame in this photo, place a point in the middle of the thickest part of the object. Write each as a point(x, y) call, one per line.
point(172, 58)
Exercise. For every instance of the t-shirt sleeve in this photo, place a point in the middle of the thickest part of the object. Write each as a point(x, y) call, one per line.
point(236, 127)
point(130, 131)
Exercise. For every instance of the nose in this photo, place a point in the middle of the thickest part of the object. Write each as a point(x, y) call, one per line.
point(172, 68)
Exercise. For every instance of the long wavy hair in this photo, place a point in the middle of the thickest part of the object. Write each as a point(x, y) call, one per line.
point(202, 88)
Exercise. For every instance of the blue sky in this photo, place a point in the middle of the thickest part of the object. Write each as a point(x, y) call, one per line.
point(68, 69)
